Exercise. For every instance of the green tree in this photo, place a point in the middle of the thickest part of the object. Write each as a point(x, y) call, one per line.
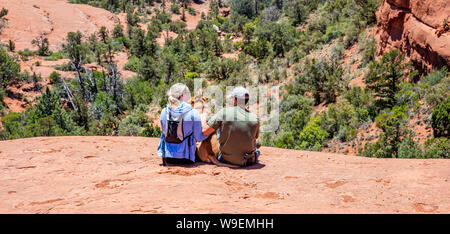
point(243, 7)
point(437, 148)
point(150, 70)
point(385, 76)
point(9, 69)
point(323, 79)
point(312, 136)
point(3, 13)
point(440, 120)
point(43, 45)
point(393, 124)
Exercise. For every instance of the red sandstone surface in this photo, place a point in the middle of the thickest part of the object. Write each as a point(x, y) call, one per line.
point(124, 175)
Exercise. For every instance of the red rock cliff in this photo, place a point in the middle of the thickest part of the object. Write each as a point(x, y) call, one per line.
point(416, 27)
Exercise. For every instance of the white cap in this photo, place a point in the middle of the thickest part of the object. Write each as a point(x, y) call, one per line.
point(239, 93)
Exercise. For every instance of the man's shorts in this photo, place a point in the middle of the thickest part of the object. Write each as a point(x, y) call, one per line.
point(222, 160)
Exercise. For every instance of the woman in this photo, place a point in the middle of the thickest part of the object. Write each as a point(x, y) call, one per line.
point(181, 126)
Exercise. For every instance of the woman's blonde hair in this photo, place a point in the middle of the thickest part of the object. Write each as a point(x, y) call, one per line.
point(175, 92)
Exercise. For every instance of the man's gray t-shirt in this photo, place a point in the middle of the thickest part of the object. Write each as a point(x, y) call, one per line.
point(238, 130)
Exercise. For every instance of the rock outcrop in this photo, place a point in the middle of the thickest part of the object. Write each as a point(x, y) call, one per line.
point(417, 28)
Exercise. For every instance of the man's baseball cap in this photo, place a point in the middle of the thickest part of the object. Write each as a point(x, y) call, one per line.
point(239, 93)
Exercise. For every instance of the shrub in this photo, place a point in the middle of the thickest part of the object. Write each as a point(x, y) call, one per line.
point(409, 148)
point(55, 56)
point(322, 78)
point(133, 64)
point(436, 94)
point(118, 31)
point(367, 49)
point(393, 124)
point(341, 120)
point(55, 78)
point(437, 148)
point(175, 8)
point(312, 136)
point(11, 46)
point(133, 125)
point(9, 69)
point(435, 77)
point(43, 45)
point(295, 112)
point(380, 149)
point(64, 67)
point(192, 11)
point(440, 120)
point(151, 131)
point(363, 101)
point(2, 95)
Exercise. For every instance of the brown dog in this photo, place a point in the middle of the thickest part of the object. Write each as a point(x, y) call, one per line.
point(207, 150)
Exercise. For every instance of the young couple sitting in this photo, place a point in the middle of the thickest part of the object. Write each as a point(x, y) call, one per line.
point(229, 139)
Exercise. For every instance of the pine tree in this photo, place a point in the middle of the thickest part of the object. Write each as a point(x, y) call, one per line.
point(385, 77)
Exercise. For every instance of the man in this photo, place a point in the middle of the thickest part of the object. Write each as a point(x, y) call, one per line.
point(237, 130)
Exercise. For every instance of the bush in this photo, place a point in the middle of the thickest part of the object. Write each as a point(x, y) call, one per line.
point(437, 148)
point(341, 120)
point(436, 94)
point(435, 77)
point(367, 49)
point(440, 120)
point(64, 67)
point(380, 149)
point(175, 8)
point(2, 95)
point(133, 64)
point(364, 103)
point(55, 56)
point(43, 45)
point(133, 125)
point(312, 136)
point(55, 78)
point(151, 131)
point(322, 78)
point(295, 112)
point(409, 149)
point(138, 91)
point(9, 69)
point(24, 54)
point(192, 11)
point(118, 31)
point(393, 124)
point(243, 8)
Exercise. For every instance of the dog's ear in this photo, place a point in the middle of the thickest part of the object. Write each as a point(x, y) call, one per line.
point(192, 101)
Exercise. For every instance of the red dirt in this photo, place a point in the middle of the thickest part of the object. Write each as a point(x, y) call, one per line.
point(192, 20)
point(123, 175)
point(54, 18)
